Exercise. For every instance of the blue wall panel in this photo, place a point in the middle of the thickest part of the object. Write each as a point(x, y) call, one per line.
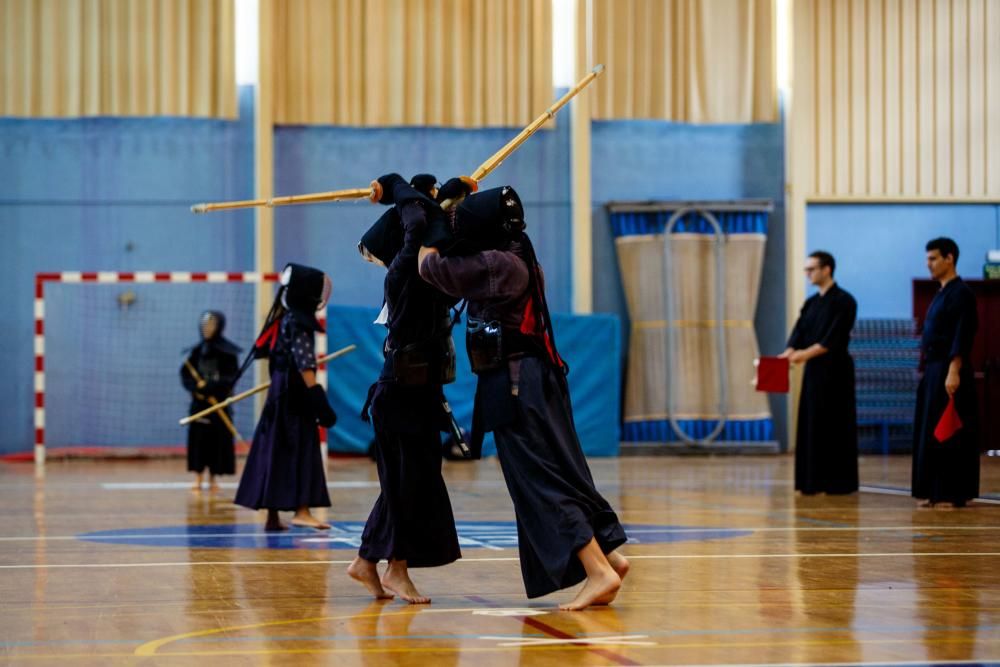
point(879, 248)
point(311, 159)
point(112, 195)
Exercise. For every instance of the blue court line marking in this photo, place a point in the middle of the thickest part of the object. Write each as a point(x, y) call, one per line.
point(492, 535)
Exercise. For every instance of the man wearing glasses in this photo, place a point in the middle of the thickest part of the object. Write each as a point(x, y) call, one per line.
point(826, 445)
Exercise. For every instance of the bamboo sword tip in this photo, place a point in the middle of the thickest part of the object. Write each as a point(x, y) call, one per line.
point(199, 208)
point(598, 70)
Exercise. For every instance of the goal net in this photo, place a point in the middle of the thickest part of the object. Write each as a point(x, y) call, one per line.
point(108, 353)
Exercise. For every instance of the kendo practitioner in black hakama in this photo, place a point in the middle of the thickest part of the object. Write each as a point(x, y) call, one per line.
point(209, 373)
point(826, 442)
point(946, 474)
point(284, 471)
point(411, 524)
point(567, 531)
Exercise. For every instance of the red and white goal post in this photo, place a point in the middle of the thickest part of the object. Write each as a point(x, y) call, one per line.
point(176, 278)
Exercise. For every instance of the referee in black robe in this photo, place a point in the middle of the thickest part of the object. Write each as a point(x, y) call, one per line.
point(826, 444)
point(946, 474)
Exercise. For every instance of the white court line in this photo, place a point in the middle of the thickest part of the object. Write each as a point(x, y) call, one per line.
point(639, 531)
point(906, 492)
point(903, 554)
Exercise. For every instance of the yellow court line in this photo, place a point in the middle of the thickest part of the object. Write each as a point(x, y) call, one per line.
point(150, 647)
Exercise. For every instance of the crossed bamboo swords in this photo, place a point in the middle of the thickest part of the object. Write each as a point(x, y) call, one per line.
point(374, 193)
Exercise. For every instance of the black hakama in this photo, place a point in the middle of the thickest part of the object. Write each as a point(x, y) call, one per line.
point(412, 518)
point(948, 471)
point(557, 505)
point(284, 470)
point(826, 443)
point(526, 404)
point(209, 441)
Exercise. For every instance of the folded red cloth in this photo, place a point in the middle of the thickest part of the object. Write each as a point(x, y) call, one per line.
point(772, 375)
point(949, 424)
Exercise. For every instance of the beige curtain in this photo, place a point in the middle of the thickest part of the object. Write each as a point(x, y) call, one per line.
point(69, 58)
point(449, 63)
point(897, 98)
point(694, 61)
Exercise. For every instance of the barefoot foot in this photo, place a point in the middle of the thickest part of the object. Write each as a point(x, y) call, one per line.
point(397, 580)
point(621, 567)
point(309, 521)
point(599, 589)
point(366, 572)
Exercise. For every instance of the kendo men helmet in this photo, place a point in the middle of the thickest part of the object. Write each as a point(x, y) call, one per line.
point(305, 291)
point(487, 220)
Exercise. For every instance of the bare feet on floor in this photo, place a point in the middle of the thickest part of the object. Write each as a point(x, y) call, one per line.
point(600, 588)
point(397, 580)
point(366, 572)
point(306, 519)
point(621, 567)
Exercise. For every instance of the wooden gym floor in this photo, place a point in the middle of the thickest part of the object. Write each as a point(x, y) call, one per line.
point(104, 563)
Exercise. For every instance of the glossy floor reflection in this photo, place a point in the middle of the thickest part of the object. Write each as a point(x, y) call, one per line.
point(108, 562)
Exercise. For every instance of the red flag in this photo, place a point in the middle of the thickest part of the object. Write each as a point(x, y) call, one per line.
point(949, 424)
point(772, 375)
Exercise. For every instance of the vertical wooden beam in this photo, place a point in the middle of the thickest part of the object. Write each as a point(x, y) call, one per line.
point(801, 171)
point(264, 168)
point(580, 127)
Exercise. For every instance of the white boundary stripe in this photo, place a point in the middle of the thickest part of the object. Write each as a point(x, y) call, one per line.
point(39, 345)
point(217, 277)
point(180, 276)
point(145, 277)
point(71, 277)
point(251, 277)
point(39, 417)
point(39, 382)
point(39, 309)
point(906, 492)
point(66, 566)
point(107, 276)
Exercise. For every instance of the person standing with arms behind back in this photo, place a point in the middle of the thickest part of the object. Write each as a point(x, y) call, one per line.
point(826, 443)
point(946, 474)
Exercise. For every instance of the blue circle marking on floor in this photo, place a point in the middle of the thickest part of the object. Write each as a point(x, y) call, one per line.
point(347, 535)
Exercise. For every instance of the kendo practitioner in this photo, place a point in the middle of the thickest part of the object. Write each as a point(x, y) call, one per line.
point(567, 531)
point(946, 474)
point(411, 524)
point(826, 442)
point(284, 471)
point(209, 373)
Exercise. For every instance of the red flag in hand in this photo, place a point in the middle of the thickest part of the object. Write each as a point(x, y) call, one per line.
point(949, 424)
point(772, 375)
